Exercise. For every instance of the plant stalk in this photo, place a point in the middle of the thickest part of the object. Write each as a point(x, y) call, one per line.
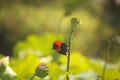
point(106, 61)
point(68, 56)
point(104, 67)
point(32, 77)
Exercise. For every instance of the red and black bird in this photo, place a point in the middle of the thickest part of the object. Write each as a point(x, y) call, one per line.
point(60, 47)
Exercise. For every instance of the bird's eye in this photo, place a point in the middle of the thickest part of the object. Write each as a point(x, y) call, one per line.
point(54, 47)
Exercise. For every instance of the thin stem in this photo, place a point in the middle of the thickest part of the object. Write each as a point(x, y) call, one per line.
point(106, 61)
point(69, 51)
point(104, 67)
point(32, 77)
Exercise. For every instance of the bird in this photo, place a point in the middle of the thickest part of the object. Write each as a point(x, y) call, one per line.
point(60, 47)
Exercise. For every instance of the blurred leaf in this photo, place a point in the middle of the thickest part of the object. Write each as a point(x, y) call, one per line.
point(25, 68)
point(112, 70)
point(9, 74)
point(55, 71)
point(78, 62)
point(39, 45)
point(6, 72)
point(3, 64)
point(87, 75)
point(2, 68)
point(65, 78)
point(4, 61)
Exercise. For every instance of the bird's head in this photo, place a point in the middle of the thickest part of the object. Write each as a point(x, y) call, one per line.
point(57, 45)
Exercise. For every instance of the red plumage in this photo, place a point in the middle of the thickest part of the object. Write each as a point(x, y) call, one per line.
point(60, 47)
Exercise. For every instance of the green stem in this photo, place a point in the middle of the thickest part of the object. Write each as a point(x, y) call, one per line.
point(32, 77)
point(69, 51)
point(104, 67)
point(106, 61)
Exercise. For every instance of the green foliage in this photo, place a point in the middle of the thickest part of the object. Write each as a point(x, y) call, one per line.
point(2, 68)
point(25, 68)
point(77, 60)
point(39, 45)
point(6, 72)
point(25, 62)
point(55, 71)
point(3, 64)
point(36, 49)
point(111, 73)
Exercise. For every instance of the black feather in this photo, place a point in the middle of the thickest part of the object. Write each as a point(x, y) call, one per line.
point(63, 49)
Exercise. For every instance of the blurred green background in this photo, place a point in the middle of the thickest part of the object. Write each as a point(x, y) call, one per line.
point(28, 29)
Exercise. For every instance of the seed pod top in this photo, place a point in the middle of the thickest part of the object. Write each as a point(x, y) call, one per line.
point(74, 22)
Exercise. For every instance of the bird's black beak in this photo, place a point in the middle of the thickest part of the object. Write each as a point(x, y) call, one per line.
point(54, 47)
